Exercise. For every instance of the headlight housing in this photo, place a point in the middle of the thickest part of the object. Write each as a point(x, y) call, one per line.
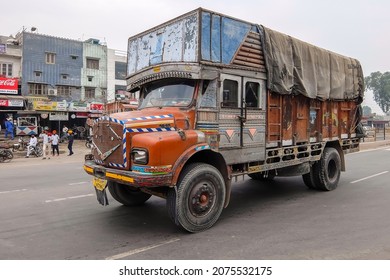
point(140, 156)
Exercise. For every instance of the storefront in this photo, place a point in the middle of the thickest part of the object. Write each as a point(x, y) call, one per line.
point(10, 100)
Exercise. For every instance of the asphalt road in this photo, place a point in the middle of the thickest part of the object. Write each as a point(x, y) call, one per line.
point(48, 210)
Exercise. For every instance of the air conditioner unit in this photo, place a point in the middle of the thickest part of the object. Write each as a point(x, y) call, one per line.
point(52, 92)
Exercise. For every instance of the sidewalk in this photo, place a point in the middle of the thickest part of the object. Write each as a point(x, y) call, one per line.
point(374, 144)
point(79, 151)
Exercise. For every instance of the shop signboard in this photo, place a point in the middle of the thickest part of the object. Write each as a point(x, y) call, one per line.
point(8, 85)
point(15, 103)
point(58, 116)
point(45, 105)
point(96, 107)
point(78, 107)
point(11, 103)
point(62, 105)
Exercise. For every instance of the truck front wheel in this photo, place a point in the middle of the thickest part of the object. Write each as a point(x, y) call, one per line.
point(326, 172)
point(127, 195)
point(199, 199)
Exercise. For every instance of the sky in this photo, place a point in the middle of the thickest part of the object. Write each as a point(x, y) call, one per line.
point(354, 28)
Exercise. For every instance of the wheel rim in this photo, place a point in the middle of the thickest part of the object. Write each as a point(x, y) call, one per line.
point(201, 199)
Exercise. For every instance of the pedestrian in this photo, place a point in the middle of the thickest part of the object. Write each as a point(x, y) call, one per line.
point(54, 142)
point(64, 131)
point(46, 142)
point(9, 129)
point(70, 142)
point(31, 145)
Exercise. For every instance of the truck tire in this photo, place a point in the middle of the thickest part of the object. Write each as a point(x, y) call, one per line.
point(326, 172)
point(308, 178)
point(200, 197)
point(127, 195)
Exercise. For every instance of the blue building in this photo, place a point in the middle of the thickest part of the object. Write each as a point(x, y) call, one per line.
point(63, 80)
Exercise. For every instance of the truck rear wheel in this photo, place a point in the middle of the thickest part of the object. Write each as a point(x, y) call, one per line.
point(308, 178)
point(199, 199)
point(127, 195)
point(326, 172)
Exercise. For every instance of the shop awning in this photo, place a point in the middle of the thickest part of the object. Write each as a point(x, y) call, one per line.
point(11, 97)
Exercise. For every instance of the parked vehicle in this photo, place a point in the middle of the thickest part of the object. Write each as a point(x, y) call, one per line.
point(221, 98)
point(369, 131)
point(6, 154)
point(20, 146)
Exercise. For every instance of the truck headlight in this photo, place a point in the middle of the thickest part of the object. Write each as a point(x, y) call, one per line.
point(140, 156)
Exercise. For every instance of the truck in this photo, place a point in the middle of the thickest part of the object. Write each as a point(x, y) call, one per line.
point(222, 99)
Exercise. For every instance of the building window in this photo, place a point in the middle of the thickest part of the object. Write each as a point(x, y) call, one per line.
point(120, 70)
point(93, 63)
point(37, 89)
point(74, 57)
point(64, 76)
point(64, 91)
point(89, 93)
point(90, 78)
point(50, 58)
point(6, 69)
point(37, 73)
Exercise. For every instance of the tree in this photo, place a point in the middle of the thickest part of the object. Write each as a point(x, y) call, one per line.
point(380, 85)
point(367, 111)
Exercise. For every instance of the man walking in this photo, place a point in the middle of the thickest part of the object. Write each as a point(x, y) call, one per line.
point(70, 142)
point(54, 142)
point(46, 143)
point(9, 129)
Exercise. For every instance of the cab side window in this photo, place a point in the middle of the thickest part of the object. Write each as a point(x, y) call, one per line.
point(230, 94)
point(252, 94)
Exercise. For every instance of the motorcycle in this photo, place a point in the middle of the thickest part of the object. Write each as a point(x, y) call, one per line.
point(36, 151)
point(6, 154)
point(20, 146)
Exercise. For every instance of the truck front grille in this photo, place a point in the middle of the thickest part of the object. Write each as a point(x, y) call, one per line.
point(109, 148)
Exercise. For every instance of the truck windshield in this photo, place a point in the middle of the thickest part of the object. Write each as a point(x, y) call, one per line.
point(167, 93)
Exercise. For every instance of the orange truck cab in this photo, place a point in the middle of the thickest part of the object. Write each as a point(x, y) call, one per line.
point(222, 99)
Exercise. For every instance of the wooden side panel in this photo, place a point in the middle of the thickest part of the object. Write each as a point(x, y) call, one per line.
point(274, 113)
point(296, 119)
point(301, 119)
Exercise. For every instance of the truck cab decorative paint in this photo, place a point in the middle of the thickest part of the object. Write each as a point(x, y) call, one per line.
point(221, 98)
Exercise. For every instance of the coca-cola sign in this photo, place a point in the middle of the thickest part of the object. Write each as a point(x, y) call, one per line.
point(8, 85)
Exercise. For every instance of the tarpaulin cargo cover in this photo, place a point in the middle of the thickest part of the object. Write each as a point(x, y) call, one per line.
point(296, 67)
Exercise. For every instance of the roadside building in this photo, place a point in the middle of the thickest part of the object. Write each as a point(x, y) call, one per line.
point(52, 81)
point(11, 99)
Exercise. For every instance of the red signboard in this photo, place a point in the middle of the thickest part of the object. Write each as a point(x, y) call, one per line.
point(8, 85)
point(96, 107)
point(3, 102)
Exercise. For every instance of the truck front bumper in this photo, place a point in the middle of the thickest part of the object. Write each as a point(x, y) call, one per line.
point(130, 178)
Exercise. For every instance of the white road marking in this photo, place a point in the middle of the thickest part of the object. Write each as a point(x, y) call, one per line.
point(139, 250)
point(4, 192)
point(67, 198)
point(78, 183)
point(369, 177)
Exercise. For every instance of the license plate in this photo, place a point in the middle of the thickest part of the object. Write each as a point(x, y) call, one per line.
point(100, 188)
point(99, 184)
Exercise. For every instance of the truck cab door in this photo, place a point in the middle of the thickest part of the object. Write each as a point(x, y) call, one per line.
point(242, 118)
point(230, 113)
